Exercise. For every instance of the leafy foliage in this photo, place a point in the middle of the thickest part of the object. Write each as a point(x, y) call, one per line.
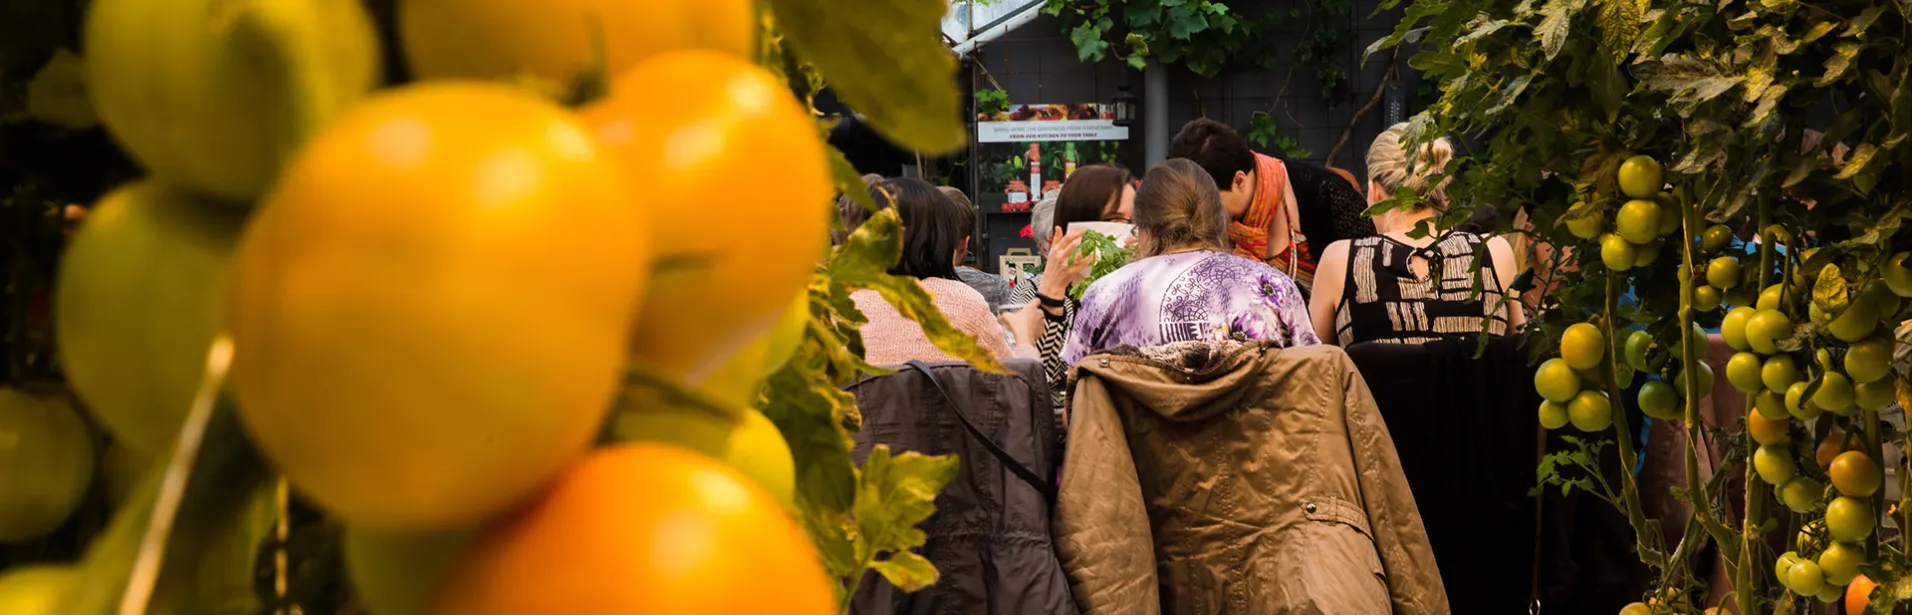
point(1109, 256)
point(887, 63)
point(1208, 36)
point(1765, 112)
point(991, 101)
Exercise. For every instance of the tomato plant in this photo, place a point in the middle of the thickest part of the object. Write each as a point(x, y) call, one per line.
point(1775, 134)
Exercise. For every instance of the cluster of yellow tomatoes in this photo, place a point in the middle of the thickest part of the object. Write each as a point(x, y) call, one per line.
point(437, 293)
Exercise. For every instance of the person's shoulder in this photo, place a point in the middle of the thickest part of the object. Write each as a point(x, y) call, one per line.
point(958, 290)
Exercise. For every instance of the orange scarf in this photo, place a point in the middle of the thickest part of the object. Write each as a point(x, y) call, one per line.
point(1250, 234)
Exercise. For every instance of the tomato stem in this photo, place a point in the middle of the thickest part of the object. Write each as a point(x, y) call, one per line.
point(1623, 433)
point(1746, 585)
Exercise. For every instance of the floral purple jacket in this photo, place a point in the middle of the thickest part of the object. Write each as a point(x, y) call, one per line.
point(1189, 296)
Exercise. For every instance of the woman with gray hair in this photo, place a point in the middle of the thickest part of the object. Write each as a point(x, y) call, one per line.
point(1185, 285)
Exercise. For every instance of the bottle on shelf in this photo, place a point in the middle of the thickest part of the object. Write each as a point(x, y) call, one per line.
point(1035, 172)
point(1068, 160)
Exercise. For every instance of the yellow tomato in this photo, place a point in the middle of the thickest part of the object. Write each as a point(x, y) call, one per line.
point(197, 90)
point(642, 528)
point(431, 306)
point(554, 39)
point(731, 168)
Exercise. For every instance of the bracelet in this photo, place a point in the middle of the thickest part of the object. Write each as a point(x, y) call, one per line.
point(1048, 301)
point(1055, 317)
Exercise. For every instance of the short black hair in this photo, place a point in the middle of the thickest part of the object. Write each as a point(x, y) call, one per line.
point(1217, 148)
point(932, 227)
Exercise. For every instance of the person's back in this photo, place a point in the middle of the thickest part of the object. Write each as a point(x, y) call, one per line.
point(1384, 298)
point(933, 238)
point(1183, 286)
point(1398, 288)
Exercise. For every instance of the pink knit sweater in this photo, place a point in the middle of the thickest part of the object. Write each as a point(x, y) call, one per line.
point(891, 339)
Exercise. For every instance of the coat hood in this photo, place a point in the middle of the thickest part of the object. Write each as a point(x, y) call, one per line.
point(1186, 381)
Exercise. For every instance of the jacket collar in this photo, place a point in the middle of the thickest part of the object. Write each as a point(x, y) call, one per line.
point(1185, 380)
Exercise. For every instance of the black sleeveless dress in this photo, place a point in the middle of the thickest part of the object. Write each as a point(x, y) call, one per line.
point(1383, 301)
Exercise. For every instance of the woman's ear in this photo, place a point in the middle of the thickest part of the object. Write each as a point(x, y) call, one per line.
point(1376, 194)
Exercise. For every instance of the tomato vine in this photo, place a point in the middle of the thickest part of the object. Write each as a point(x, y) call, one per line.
point(1785, 120)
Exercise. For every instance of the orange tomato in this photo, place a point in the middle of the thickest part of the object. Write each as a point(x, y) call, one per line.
point(553, 39)
point(642, 528)
point(430, 309)
point(731, 168)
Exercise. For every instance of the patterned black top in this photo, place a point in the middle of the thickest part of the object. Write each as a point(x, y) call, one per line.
point(1383, 301)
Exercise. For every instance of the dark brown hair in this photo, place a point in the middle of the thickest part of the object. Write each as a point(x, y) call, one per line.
point(1086, 196)
point(963, 207)
point(1177, 208)
point(932, 227)
point(1217, 148)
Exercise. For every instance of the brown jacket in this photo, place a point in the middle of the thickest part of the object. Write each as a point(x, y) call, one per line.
point(1219, 477)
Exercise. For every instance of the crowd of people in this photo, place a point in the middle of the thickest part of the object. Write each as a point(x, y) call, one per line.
point(1235, 257)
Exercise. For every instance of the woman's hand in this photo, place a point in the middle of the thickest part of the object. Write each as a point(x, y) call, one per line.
point(1024, 324)
point(1065, 267)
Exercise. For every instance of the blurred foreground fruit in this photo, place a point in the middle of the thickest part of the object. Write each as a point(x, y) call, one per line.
point(46, 463)
point(142, 292)
point(642, 528)
point(431, 306)
point(554, 39)
point(397, 574)
point(195, 89)
point(750, 444)
point(35, 589)
point(724, 114)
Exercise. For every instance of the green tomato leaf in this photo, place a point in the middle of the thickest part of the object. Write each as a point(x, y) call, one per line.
point(863, 262)
point(1839, 63)
point(847, 179)
point(58, 93)
point(1830, 292)
point(907, 571)
point(1090, 48)
point(1557, 17)
point(893, 495)
point(888, 63)
point(1109, 256)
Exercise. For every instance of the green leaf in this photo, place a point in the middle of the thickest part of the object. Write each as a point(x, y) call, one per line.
point(1688, 80)
point(1858, 25)
point(1511, 93)
point(893, 495)
point(1839, 63)
point(887, 63)
point(58, 93)
point(1553, 28)
point(1879, 231)
point(847, 179)
point(1619, 23)
point(907, 571)
point(1829, 292)
point(1857, 161)
point(1609, 86)
point(1108, 254)
point(1090, 47)
point(864, 261)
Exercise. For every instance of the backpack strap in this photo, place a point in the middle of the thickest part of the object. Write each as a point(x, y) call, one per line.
point(1027, 475)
